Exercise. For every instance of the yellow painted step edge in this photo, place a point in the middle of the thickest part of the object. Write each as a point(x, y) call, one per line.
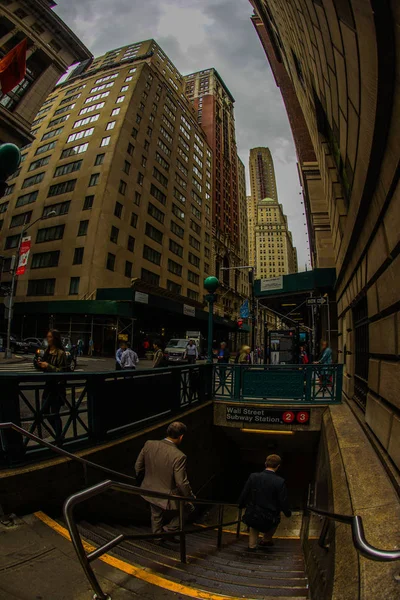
point(138, 572)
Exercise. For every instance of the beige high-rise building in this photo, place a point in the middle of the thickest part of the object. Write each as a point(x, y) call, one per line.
point(271, 249)
point(51, 48)
point(243, 228)
point(120, 173)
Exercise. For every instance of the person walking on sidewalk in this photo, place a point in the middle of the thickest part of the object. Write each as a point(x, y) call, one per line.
point(91, 344)
point(161, 467)
point(191, 353)
point(264, 496)
point(129, 358)
point(118, 356)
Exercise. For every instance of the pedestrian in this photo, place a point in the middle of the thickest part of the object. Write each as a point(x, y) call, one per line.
point(325, 376)
point(91, 344)
point(243, 357)
point(191, 353)
point(118, 356)
point(54, 360)
point(264, 496)
point(223, 354)
point(303, 357)
point(161, 467)
point(80, 347)
point(129, 358)
point(158, 358)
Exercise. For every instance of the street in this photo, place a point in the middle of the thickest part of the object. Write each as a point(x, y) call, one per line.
point(24, 364)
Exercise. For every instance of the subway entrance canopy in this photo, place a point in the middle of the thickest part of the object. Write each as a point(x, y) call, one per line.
point(287, 295)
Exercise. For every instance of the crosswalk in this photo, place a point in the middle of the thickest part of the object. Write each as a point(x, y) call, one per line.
point(21, 367)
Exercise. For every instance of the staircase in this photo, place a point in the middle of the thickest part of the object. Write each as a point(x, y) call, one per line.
point(230, 572)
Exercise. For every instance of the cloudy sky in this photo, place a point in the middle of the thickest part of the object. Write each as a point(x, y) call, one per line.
point(198, 34)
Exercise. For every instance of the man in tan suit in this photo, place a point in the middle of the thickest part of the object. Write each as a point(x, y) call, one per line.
point(162, 466)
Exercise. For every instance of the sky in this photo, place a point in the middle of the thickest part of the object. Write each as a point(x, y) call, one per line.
point(196, 35)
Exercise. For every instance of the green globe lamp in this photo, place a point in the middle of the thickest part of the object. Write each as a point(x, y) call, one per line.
point(10, 159)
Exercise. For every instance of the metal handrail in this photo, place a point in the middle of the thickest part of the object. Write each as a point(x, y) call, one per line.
point(358, 534)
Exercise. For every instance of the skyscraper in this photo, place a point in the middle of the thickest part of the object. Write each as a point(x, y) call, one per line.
point(271, 249)
point(121, 172)
point(214, 105)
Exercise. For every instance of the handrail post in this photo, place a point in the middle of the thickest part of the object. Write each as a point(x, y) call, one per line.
point(182, 534)
point(220, 522)
point(323, 534)
point(239, 523)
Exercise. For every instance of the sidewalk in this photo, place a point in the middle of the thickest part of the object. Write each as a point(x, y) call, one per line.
point(16, 358)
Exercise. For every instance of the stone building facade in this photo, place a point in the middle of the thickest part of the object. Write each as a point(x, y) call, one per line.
point(52, 47)
point(341, 60)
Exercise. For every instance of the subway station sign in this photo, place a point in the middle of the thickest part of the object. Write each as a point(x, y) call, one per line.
point(267, 416)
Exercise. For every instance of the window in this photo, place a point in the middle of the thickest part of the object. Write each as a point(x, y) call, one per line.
point(125, 88)
point(184, 143)
point(98, 88)
point(154, 233)
point(96, 97)
point(85, 121)
point(131, 243)
point(165, 133)
point(128, 79)
point(88, 203)
point(154, 212)
point(120, 99)
point(74, 286)
point(21, 219)
point(61, 188)
point(64, 109)
point(134, 132)
point(177, 229)
point(105, 141)
point(12, 241)
point(130, 149)
point(182, 154)
point(194, 242)
point(110, 265)
point(114, 234)
point(185, 133)
point(137, 198)
point(180, 181)
point(61, 208)
point(26, 199)
point(195, 227)
point(56, 121)
point(176, 248)
point(48, 234)
point(32, 180)
point(197, 172)
point(182, 168)
point(88, 109)
point(160, 177)
point(128, 268)
point(195, 212)
point(115, 112)
point(78, 256)
point(118, 210)
point(179, 196)
point(163, 147)
point(178, 212)
point(110, 125)
point(162, 161)
point(45, 259)
point(74, 150)
point(41, 162)
point(106, 78)
point(41, 287)
point(83, 227)
point(196, 184)
point(194, 260)
point(173, 287)
point(9, 189)
point(134, 219)
point(69, 98)
point(150, 277)
point(140, 178)
point(68, 168)
point(174, 267)
point(151, 255)
point(144, 161)
point(193, 277)
point(127, 167)
point(4, 206)
point(99, 160)
point(192, 294)
point(157, 194)
point(45, 148)
point(81, 134)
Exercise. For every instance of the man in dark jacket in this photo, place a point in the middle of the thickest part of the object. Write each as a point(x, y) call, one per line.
point(265, 497)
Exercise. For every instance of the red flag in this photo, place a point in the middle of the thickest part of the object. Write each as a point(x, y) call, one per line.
point(13, 67)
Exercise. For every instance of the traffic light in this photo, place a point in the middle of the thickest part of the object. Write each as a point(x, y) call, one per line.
point(240, 323)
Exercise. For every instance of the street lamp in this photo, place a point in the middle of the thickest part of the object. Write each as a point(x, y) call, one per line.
point(253, 315)
point(8, 353)
point(211, 284)
point(10, 159)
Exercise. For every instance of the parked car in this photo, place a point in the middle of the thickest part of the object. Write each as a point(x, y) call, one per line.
point(71, 358)
point(17, 345)
point(175, 350)
point(34, 343)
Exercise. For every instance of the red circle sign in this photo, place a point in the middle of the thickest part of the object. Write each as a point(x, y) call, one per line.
point(303, 416)
point(288, 416)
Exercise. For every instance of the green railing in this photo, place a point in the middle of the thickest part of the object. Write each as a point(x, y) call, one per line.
point(278, 384)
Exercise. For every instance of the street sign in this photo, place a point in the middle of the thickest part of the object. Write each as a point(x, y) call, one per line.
point(316, 301)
